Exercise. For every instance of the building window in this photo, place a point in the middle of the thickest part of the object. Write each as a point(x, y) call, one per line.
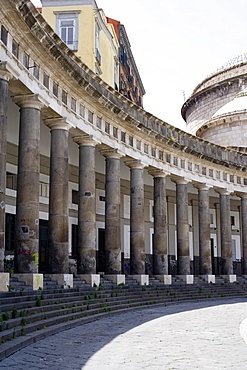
point(168, 158)
point(64, 97)
point(90, 116)
point(204, 171)
point(4, 35)
point(11, 181)
point(123, 136)
point(211, 172)
point(146, 148)
point(98, 122)
point(160, 155)
point(138, 144)
point(15, 49)
point(175, 161)
point(225, 176)
point(25, 60)
point(182, 163)
point(115, 132)
point(218, 175)
point(82, 110)
point(131, 140)
point(153, 152)
point(36, 71)
point(67, 28)
point(97, 43)
point(46, 81)
point(239, 180)
point(107, 127)
point(189, 166)
point(75, 196)
point(73, 104)
point(196, 168)
point(231, 178)
point(55, 89)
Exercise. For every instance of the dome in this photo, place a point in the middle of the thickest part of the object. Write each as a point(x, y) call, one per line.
point(239, 103)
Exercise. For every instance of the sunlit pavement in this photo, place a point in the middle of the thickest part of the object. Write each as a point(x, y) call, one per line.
point(203, 335)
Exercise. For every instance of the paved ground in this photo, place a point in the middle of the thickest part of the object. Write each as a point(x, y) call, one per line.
point(210, 335)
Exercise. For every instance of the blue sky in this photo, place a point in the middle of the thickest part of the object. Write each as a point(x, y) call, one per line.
point(177, 43)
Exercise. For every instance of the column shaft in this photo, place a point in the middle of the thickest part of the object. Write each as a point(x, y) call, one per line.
point(226, 235)
point(27, 203)
point(3, 149)
point(244, 233)
point(183, 251)
point(137, 241)
point(112, 216)
point(58, 206)
point(204, 232)
point(160, 262)
point(86, 252)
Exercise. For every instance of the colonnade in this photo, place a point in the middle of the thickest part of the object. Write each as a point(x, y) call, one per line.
point(27, 203)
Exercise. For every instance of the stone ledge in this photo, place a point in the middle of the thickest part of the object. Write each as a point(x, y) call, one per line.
point(33, 280)
point(4, 281)
point(91, 279)
point(188, 279)
point(166, 279)
point(141, 279)
point(229, 278)
point(116, 279)
point(208, 278)
point(66, 280)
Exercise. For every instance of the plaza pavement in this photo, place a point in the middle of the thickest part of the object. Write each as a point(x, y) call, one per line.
point(202, 335)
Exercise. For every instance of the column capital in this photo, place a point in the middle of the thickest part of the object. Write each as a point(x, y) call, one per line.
point(30, 101)
point(242, 195)
point(135, 164)
point(112, 153)
point(86, 140)
point(156, 172)
point(179, 180)
point(7, 72)
point(222, 191)
point(58, 123)
point(202, 186)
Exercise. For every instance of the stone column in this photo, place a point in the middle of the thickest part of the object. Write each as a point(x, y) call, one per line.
point(27, 202)
point(112, 212)
point(204, 231)
point(226, 233)
point(5, 76)
point(244, 230)
point(137, 239)
point(58, 197)
point(160, 250)
point(86, 250)
point(183, 250)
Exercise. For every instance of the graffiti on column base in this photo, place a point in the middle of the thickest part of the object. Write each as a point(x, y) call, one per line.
point(24, 250)
point(2, 205)
point(36, 261)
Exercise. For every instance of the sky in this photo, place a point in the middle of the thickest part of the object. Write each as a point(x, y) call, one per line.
point(178, 43)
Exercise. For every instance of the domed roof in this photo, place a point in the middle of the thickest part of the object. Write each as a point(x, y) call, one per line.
point(239, 103)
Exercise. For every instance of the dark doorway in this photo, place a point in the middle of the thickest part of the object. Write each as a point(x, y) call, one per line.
point(101, 253)
point(43, 246)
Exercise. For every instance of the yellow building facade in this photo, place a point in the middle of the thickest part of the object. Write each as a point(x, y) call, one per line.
point(84, 28)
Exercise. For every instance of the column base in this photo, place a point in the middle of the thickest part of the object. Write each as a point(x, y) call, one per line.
point(65, 280)
point(4, 281)
point(166, 279)
point(91, 279)
point(141, 279)
point(208, 278)
point(229, 278)
point(33, 280)
point(116, 279)
point(188, 279)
